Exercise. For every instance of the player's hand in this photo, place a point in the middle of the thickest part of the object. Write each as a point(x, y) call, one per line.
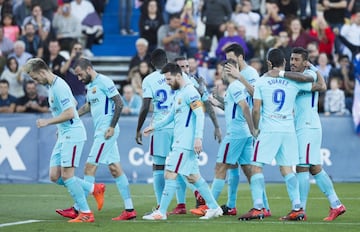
point(198, 145)
point(232, 70)
point(148, 130)
point(255, 133)
point(217, 134)
point(138, 137)
point(109, 133)
point(273, 72)
point(42, 122)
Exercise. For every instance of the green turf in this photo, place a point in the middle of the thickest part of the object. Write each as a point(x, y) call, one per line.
point(38, 202)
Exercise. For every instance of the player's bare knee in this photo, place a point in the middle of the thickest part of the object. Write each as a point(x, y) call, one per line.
point(220, 170)
point(115, 170)
point(315, 169)
point(302, 168)
point(170, 175)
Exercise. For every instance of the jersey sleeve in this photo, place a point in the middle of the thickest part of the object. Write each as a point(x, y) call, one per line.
point(257, 91)
point(146, 88)
point(237, 92)
point(306, 86)
point(109, 88)
point(65, 97)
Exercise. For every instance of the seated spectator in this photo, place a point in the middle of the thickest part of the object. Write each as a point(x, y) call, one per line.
point(33, 42)
point(188, 25)
point(230, 37)
point(32, 102)
point(19, 53)
point(313, 52)
point(41, 24)
point(21, 10)
point(53, 58)
point(13, 75)
point(334, 103)
point(48, 7)
point(7, 101)
point(67, 27)
point(132, 102)
point(298, 36)
point(265, 41)
point(141, 53)
point(202, 56)
point(11, 30)
point(282, 43)
point(325, 34)
point(136, 76)
point(324, 67)
point(6, 45)
point(273, 18)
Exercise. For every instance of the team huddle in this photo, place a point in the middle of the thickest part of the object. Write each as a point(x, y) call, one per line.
point(272, 117)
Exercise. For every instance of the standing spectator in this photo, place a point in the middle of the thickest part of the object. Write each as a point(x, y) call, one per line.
point(313, 49)
point(53, 58)
point(32, 102)
point(11, 30)
point(265, 41)
point(67, 27)
point(303, 6)
point(334, 103)
point(150, 21)
point(282, 43)
point(324, 67)
point(41, 24)
point(13, 75)
point(171, 38)
point(324, 33)
point(6, 45)
point(132, 101)
point(350, 34)
point(273, 18)
point(188, 25)
point(289, 8)
point(215, 13)
point(142, 53)
point(250, 20)
point(21, 11)
point(125, 14)
point(298, 36)
point(33, 42)
point(353, 6)
point(7, 101)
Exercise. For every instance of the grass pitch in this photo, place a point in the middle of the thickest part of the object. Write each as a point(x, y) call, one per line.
point(21, 203)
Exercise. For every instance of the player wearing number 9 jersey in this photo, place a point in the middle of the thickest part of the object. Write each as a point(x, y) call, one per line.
point(274, 100)
point(160, 95)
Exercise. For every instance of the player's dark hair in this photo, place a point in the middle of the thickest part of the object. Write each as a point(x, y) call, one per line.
point(158, 58)
point(83, 63)
point(230, 61)
point(4, 81)
point(172, 68)
point(302, 51)
point(276, 57)
point(236, 49)
point(179, 58)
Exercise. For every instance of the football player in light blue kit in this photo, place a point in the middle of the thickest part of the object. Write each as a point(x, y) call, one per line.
point(157, 92)
point(199, 84)
point(274, 100)
point(309, 134)
point(237, 145)
point(248, 76)
point(105, 104)
point(188, 117)
point(71, 135)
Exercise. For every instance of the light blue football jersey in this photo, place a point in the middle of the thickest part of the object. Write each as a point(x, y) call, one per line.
point(252, 76)
point(306, 107)
point(60, 99)
point(192, 79)
point(154, 86)
point(278, 100)
point(236, 125)
point(99, 94)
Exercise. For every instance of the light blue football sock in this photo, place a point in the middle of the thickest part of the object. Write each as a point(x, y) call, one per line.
point(292, 186)
point(122, 185)
point(216, 187)
point(180, 189)
point(87, 185)
point(168, 193)
point(158, 184)
point(233, 183)
point(326, 186)
point(204, 190)
point(60, 181)
point(77, 193)
point(265, 200)
point(257, 186)
point(304, 187)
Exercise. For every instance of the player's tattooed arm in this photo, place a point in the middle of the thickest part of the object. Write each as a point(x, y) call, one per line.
point(84, 109)
point(117, 111)
point(210, 110)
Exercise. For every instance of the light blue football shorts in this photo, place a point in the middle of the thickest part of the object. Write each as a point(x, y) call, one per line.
point(182, 161)
point(309, 141)
point(66, 154)
point(233, 150)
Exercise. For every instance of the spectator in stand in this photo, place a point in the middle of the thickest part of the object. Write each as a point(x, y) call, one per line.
point(11, 30)
point(53, 58)
point(250, 20)
point(282, 43)
point(21, 11)
point(353, 6)
point(313, 50)
point(171, 38)
point(265, 41)
point(188, 25)
point(289, 8)
point(356, 105)
point(322, 31)
point(41, 24)
point(137, 74)
point(125, 14)
point(7, 101)
point(150, 21)
point(6, 45)
point(256, 5)
point(19, 53)
point(324, 67)
point(48, 7)
point(142, 53)
point(273, 18)
point(33, 42)
point(258, 65)
point(334, 103)
point(303, 6)
point(77, 87)
point(132, 102)
point(66, 26)
point(32, 102)
point(202, 56)
point(215, 14)
point(350, 34)
point(298, 36)
point(345, 71)
point(13, 76)
point(5, 7)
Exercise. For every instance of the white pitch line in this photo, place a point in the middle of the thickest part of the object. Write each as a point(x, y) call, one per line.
point(19, 223)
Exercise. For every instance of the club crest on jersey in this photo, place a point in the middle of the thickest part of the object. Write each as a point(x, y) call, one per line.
point(179, 101)
point(93, 90)
point(52, 99)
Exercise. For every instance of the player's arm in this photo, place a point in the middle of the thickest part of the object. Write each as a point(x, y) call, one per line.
point(320, 84)
point(84, 109)
point(246, 111)
point(145, 107)
point(8, 109)
point(158, 124)
point(117, 111)
point(196, 107)
point(295, 76)
point(256, 115)
point(66, 115)
point(210, 110)
point(234, 71)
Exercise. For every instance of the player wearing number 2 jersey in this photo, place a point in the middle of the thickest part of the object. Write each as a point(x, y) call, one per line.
point(274, 100)
point(157, 92)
